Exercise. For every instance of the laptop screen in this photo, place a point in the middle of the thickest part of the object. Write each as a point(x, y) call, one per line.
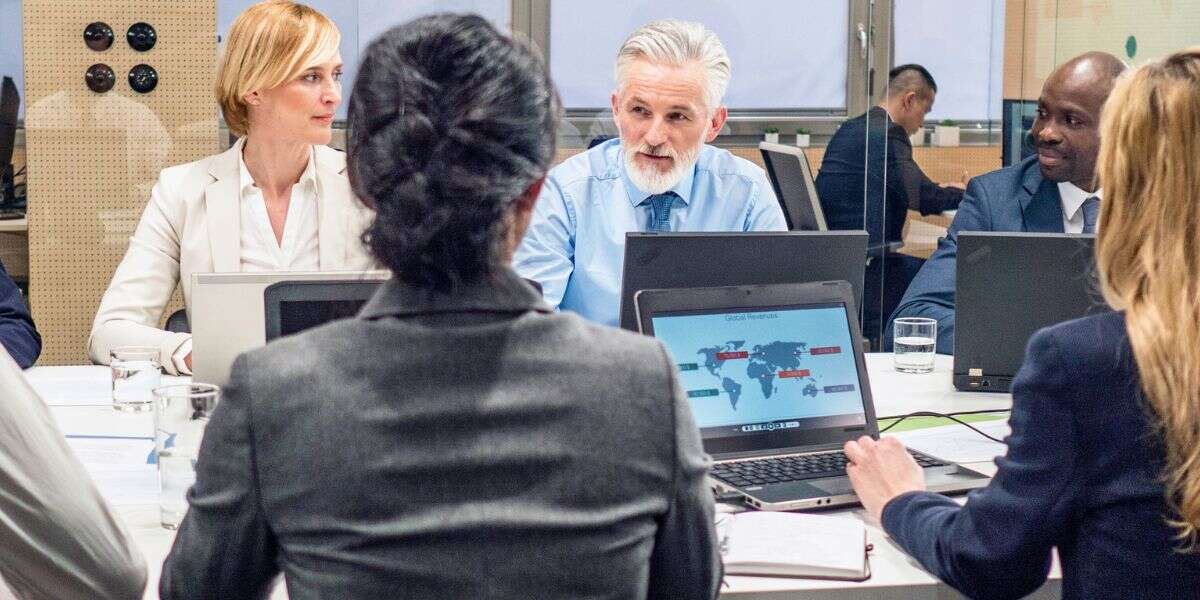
point(298, 315)
point(750, 372)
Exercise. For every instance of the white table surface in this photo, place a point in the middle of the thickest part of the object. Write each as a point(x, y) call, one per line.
point(78, 397)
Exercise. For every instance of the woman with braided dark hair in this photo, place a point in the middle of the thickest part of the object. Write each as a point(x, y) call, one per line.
point(458, 438)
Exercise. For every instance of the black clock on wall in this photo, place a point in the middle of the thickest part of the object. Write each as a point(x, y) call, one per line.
point(98, 36)
point(143, 79)
point(141, 36)
point(100, 78)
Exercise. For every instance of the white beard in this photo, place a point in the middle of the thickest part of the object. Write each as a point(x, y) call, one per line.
point(651, 180)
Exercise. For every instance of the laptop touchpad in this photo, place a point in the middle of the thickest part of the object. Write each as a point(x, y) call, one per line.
point(836, 486)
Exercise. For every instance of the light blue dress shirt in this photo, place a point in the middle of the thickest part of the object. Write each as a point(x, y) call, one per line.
point(575, 245)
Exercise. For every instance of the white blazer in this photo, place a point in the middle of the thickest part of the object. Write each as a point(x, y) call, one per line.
point(192, 224)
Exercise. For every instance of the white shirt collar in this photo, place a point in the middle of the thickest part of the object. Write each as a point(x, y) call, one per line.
point(245, 180)
point(1073, 198)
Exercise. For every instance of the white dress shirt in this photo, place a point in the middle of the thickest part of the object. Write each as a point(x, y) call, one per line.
point(1073, 198)
point(298, 251)
point(261, 252)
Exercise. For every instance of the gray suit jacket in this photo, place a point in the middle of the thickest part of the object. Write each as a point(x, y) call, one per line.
point(467, 446)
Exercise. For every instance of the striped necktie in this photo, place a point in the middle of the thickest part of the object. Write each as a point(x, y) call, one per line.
point(660, 205)
point(1091, 214)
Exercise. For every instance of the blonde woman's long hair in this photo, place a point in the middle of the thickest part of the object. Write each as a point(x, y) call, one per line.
point(1148, 256)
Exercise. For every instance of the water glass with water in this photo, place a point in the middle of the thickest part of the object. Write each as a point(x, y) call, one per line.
point(914, 344)
point(135, 374)
point(180, 414)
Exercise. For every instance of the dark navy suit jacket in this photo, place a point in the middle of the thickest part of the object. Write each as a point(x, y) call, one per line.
point(1081, 473)
point(17, 333)
point(1014, 198)
point(891, 188)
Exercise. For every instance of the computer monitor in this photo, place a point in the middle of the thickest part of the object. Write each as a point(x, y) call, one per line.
point(792, 180)
point(294, 306)
point(1016, 144)
point(228, 317)
point(716, 259)
point(10, 104)
point(1009, 285)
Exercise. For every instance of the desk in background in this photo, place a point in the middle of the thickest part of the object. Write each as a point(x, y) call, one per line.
point(922, 232)
point(79, 401)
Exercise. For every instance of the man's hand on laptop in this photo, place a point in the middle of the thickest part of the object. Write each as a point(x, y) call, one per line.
point(881, 470)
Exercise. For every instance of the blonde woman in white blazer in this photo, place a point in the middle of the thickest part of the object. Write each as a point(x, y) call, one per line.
point(278, 200)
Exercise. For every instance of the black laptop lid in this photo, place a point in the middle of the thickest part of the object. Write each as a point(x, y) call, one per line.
point(766, 367)
point(692, 260)
point(1009, 285)
point(294, 306)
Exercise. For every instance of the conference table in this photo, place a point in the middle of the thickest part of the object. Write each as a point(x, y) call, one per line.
point(114, 447)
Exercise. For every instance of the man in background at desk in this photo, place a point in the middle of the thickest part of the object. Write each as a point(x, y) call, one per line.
point(1054, 191)
point(17, 332)
point(661, 175)
point(873, 151)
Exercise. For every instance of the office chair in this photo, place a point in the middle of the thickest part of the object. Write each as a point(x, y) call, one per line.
point(600, 139)
point(178, 322)
point(792, 179)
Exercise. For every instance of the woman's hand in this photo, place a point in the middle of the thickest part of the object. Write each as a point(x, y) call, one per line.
point(881, 470)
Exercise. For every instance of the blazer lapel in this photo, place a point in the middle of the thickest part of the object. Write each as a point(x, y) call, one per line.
point(333, 194)
point(1041, 209)
point(222, 201)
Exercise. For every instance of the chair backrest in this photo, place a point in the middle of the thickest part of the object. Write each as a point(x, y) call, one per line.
point(792, 179)
point(178, 322)
point(600, 139)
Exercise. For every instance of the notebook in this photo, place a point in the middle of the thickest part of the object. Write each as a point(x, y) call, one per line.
point(777, 383)
point(793, 545)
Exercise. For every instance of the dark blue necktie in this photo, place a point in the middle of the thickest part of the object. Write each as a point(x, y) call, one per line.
point(1091, 214)
point(660, 205)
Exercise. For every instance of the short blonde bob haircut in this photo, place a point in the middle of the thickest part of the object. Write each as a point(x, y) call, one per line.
point(268, 44)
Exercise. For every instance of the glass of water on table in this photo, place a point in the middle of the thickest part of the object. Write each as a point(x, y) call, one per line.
point(181, 413)
point(135, 374)
point(914, 344)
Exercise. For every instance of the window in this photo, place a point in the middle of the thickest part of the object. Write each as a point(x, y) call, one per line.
point(362, 21)
point(962, 45)
point(777, 64)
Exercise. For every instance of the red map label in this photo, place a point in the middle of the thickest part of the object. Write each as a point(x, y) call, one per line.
point(732, 355)
point(796, 373)
point(826, 350)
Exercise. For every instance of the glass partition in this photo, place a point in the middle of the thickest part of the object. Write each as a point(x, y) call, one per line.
point(918, 160)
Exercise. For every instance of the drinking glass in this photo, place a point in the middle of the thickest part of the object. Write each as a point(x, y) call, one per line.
point(180, 415)
point(135, 374)
point(914, 344)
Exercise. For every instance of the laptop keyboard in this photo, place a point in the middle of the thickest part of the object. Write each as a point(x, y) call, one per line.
point(781, 469)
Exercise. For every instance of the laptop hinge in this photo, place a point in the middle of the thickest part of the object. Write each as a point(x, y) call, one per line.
point(778, 451)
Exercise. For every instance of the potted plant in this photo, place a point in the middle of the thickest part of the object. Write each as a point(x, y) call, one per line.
point(771, 134)
point(946, 133)
point(803, 137)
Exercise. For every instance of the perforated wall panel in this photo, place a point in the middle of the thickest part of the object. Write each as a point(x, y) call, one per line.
point(93, 158)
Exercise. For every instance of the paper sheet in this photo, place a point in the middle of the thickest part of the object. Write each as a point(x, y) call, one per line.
point(120, 468)
point(74, 392)
point(957, 443)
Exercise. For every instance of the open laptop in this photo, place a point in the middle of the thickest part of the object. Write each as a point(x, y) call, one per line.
point(1009, 285)
point(777, 384)
point(294, 306)
point(227, 315)
point(712, 259)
